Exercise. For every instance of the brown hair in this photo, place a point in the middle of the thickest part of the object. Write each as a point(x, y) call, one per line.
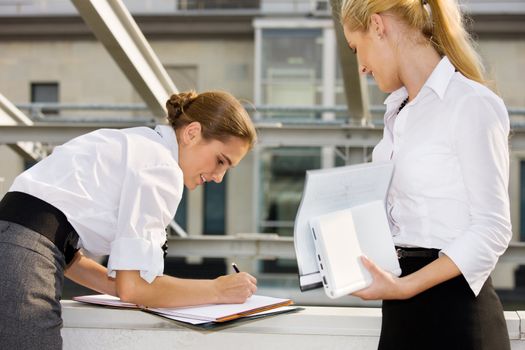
point(442, 23)
point(220, 114)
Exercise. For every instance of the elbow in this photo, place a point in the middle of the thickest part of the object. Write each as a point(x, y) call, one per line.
point(129, 287)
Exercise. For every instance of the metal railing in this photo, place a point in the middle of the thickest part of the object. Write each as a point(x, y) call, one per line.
point(139, 113)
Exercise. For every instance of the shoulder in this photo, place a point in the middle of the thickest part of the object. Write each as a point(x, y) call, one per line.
point(470, 100)
point(463, 90)
point(144, 148)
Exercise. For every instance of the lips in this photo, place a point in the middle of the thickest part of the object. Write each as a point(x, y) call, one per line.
point(203, 179)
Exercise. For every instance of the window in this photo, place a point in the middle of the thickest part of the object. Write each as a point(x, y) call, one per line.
point(522, 200)
point(181, 215)
point(45, 93)
point(215, 207)
point(291, 70)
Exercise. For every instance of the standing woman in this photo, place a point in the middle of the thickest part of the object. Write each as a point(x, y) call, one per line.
point(448, 204)
point(114, 192)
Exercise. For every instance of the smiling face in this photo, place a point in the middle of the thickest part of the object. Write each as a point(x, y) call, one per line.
point(204, 160)
point(376, 53)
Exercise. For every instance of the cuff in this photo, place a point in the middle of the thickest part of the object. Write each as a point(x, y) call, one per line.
point(136, 254)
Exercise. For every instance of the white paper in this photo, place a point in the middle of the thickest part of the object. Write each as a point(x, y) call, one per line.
point(192, 314)
point(328, 190)
point(213, 312)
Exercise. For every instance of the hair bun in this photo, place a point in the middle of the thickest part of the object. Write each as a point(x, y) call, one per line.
point(178, 102)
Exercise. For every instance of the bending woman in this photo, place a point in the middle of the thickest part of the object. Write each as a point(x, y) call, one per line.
point(448, 202)
point(114, 192)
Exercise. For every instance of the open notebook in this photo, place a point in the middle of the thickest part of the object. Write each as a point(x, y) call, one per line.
point(204, 315)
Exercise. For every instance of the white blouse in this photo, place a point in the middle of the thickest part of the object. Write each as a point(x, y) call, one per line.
point(450, 185)
point(119, 189)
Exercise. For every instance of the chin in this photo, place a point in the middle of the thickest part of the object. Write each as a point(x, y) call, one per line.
point(191, 186)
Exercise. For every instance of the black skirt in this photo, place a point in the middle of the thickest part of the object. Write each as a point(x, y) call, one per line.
point(447, 316)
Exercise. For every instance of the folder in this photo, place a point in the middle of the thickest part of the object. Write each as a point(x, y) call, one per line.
point(205, 316)
point(329, 191)
point(342, 237)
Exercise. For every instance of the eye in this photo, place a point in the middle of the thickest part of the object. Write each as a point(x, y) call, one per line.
point(220, 161)
point(354, 50)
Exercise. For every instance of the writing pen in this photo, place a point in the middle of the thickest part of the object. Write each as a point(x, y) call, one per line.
point(235, 268)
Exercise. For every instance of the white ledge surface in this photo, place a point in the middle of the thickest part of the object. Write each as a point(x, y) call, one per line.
point(93, 327)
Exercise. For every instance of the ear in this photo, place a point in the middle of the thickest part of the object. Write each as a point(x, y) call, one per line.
point(191, 133)
point(377, 26)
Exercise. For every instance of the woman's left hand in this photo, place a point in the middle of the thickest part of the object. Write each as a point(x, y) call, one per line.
point(384, 286)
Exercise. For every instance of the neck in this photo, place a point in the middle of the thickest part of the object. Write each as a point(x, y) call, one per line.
point(416, 64)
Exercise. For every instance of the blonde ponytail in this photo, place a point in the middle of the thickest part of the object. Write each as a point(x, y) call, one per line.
point(450, 38)
point(439, 20)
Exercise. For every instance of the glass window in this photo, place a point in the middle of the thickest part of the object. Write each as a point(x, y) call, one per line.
point(45, 93)
point(283, 174)
point(291, 66)
point(522, 200)
point(181, 214)
point(215, 207)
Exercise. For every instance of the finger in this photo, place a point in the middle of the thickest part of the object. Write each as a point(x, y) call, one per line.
point(369, 264)
point(251, 278)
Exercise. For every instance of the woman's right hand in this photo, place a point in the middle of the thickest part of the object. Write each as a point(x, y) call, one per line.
point(235, 288)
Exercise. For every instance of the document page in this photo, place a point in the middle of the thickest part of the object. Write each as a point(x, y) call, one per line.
point(255, 305)
point(223, 312)
point(328, 190)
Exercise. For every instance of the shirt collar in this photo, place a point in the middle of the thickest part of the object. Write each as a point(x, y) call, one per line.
point(170, 139)
point(438, 82)
point(395, 98)
point(440, 77)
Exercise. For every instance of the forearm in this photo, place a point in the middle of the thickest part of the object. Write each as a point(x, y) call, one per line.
point(386, 286)
point(165, 291)
point(91, 274)
point(439, 271)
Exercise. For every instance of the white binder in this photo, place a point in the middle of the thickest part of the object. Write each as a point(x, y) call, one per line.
point(327, 191)
point(342, 237)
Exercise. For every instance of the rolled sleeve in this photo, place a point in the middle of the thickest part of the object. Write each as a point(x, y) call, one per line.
point(148, 203)
point(481, 141)
point(136, 254)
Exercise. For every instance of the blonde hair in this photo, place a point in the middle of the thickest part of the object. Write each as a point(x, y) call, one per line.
point(442, 24)
point(220, 114)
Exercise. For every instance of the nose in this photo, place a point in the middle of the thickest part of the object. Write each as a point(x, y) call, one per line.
point(217, 177)
point(363, 69)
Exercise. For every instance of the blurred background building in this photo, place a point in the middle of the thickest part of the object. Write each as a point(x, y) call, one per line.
point(284, 58)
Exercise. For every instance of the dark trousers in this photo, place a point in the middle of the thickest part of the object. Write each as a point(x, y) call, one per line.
point(448, 316)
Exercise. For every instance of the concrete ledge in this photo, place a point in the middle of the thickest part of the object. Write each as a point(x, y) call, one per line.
point(92, 327)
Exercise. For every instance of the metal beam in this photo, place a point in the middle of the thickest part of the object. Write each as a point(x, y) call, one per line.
point(116, 29)
point(270, 135)
point(271, 246)
point(261, 246)
point(11, 115)
point(356, 91)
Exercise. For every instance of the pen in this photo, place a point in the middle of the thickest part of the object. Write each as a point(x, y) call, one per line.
point(235, 268)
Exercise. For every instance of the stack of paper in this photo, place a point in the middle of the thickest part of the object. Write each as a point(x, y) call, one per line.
point(255, 306)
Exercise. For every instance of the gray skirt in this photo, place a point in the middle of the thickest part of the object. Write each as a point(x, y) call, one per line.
point(30, 289)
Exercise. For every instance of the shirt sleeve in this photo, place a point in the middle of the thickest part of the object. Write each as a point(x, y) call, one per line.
point(148, 203)
point(481, 142)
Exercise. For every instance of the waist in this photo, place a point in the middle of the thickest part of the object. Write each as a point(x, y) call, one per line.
point(41, 217)
point(413, 259)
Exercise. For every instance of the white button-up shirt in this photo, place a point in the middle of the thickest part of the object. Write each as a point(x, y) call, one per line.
point(450, 185)
point(119, 189)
